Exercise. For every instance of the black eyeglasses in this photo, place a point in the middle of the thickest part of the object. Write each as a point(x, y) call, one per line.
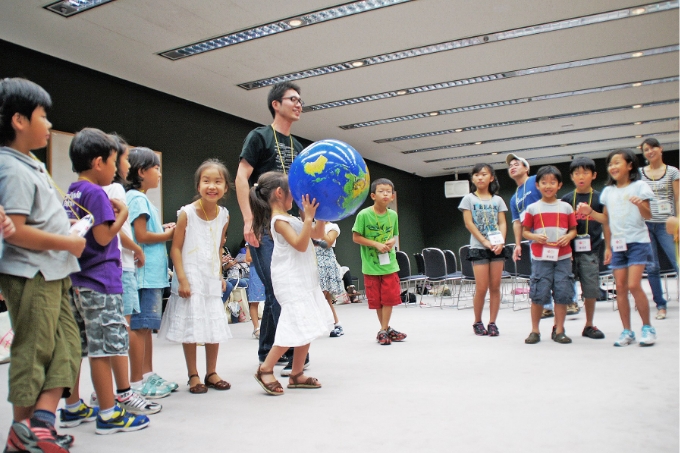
point(295, 100)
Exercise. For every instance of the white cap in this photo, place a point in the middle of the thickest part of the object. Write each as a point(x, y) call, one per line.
point(510, 157)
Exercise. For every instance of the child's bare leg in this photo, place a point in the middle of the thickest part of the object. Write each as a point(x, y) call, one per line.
point(589, 304)
point(75, 391)
point(560, 315)
point(274, 355)
point(384, 315)
point(190, 359)
point(119, 364)
point(100, 368)
point(536, 313)
point(621, 278)
point(635, 288)
point(211, 350)
point(496, 271)
point(136, 354)
point(254, 314)
point(299, 355)
point(47, 401)
point(481, 272)
point(147, 364)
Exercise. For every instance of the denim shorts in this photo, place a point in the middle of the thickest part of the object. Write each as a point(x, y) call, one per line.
point(130, 294)
point(150, 307)
point(99, 316)
point(637, 253)
point(587, 271)
point(551, 277)
point(485, 256)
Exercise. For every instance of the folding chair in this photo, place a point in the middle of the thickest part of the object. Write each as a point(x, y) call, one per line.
point(522, 278)
point(467, 276)
point(435, 270)
point(420, 264)
point(405, 277)
point(453, 274)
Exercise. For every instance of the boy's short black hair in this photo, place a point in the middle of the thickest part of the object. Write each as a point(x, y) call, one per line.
point(19, 96)
point(277, 92)
point(381, 181)
point(87, 145)
point(548, 170)
point(585, 163)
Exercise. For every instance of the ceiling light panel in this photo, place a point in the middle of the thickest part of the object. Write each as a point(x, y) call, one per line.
point(503, 103)
point(522, 121)
point(68, 8)
point(465, 42)
point(279, 26)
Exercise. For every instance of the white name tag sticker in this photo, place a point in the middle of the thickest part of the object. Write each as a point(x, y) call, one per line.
point(664, 207)
point(619, 245)
point(384, 259)
point(550, 253)
point(582, 244)
point(496, 238)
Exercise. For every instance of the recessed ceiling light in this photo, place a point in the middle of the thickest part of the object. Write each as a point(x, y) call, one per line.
point(434, 113)
point(484, 78)
point(637, 123)
point(638, 136)
point(68, 8)
point(637, 106)
point(637, 54)
point(478, 143)
point(637, 84)
point(493, 154)
point(272, 28)
point(463, 43)
point(459, 130)
point(637, 11)
point(401, 92)
point(357, 64)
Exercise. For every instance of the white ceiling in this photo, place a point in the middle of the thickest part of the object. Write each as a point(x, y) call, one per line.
point(123, 39)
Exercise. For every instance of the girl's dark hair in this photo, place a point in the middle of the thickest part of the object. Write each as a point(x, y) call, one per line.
point(220, 167)
point(140, 159)
point(549, 170)
point(19, 96)
point(494, 187)
point(121, 147)
point(630, 157)
point(260, 196)
point(651, 142)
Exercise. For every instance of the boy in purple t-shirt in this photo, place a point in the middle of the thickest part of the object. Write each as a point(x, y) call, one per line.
point(96, 296)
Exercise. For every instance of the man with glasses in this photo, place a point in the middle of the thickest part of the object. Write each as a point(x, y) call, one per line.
point(268, 148)
point(525, 194)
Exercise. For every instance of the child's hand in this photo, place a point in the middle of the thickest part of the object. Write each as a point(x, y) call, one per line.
point(563, 241)
point(637, 201)
point(169, 225)
point(184, 289)
point(118, 206)
point(382, 248)
point(76, 244)
point(541, 238)
point(224, 285)
point(7, 224)
point(584, 209)
point(390, 244)
point(607, 256)
point(309, 207)
point(139, 258)
point(169, 229)
point(497, 249)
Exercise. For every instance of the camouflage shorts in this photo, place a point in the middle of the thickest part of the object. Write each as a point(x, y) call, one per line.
point(101, 323)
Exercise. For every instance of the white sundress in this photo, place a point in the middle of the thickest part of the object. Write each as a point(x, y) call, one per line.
point(305, 314)
point(200, 318)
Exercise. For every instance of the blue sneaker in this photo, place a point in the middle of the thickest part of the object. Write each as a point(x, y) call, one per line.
point(159, 381)
point(627, 337)
point(121, 422)
point(85, 413)
point(648, 336)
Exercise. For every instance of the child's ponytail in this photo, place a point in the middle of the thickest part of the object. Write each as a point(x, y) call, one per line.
point(260, 195)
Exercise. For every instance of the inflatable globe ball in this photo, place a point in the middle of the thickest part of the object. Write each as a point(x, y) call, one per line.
point(335, 174)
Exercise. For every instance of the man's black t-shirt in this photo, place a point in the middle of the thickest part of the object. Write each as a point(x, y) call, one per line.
point(265, 152)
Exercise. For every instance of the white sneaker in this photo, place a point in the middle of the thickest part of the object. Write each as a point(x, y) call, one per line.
point(627, 337)
point(648, 336)
point(136, 404)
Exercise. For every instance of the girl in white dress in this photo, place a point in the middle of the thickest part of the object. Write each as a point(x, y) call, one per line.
point(304, 311)
point(195, 313)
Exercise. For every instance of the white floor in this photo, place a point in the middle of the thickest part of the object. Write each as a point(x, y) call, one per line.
point(444, 389)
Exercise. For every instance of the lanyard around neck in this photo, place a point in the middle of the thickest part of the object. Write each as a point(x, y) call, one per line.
point(540, 214)
point(590, 200)
point(278, 148)
point(524, 195)
point(389, 221)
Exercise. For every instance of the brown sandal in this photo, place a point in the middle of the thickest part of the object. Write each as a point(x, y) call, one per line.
point(272, 388)
point(219, 385)
point(198, 388)
point(309, 383)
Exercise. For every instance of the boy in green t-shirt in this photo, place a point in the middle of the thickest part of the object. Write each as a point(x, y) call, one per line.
point(376, 230)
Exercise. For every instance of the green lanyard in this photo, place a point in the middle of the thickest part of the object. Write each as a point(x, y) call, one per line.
point(278, 148)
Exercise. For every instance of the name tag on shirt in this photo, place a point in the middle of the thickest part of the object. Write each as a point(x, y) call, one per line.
point(496, 238)
point(664, 207)
point(619, 245)
point(384, 259)
point(582, 243)
point(550, 253)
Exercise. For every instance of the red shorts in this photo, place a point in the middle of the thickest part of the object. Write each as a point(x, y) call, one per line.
point(382, 290)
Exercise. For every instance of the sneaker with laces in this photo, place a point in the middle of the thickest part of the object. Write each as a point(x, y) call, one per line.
point(339, 329)
point(627, 337)
point(121, 421)
point(335, 332)
point(493, 330)
point(33, 435)
point(152, 390)
point(289, 367)
point(136, 404)
point(173, 386)
point(648, 336)
point(479, 329)
point(592, 332)
point(395, 335)
point(84, 414)
point(383, 338)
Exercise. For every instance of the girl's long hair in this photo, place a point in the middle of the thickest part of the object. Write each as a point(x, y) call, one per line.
point(494, 187)
point(630, 157)
point(260, 196)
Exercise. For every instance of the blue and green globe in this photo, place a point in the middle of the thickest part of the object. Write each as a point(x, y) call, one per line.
point(335, 174)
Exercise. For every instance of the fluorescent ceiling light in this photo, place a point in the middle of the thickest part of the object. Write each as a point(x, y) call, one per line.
point(466, 42)
point(494, 104)
point(525, 137)
point(279, 26)
point(68, 8)
point(523, 121)
point(490, 78)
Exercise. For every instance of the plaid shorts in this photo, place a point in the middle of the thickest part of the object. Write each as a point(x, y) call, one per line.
point(100, 319)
